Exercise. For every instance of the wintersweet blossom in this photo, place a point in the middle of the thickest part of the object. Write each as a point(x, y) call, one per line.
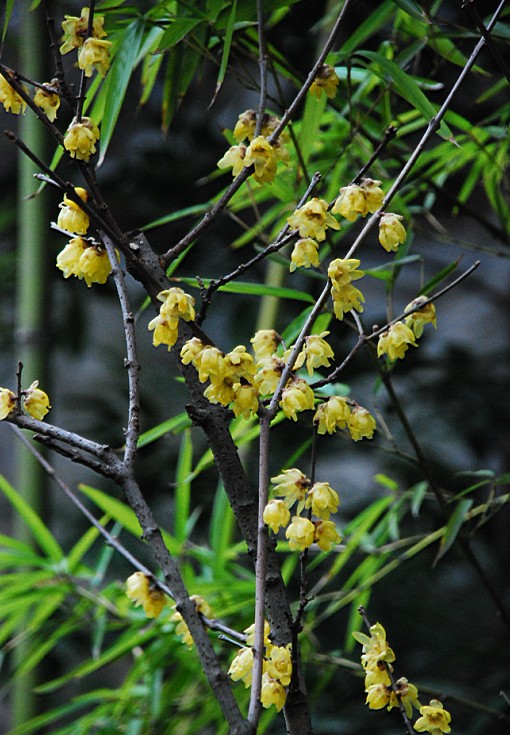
point(234, 159)
point(71, 217)
point(272, 693)
point(359, 199)
point(94, 265)
point(322, 499)
point(342, 271)
point(245, 401)
point(361, 424)
point(268, 375)
point(426, 314)
point(239, 364)
point(305, 254)
point(326, 535)
point(378, 696)
point(296, 396)
point(395, 341)
point(36, 401)
point(408, 695)
point(291, 485)
point(391, 231)
point(317, 352)
point(434, 719)
point(250, 634)
point(210, 364)
point(48, 99)
point(265, 343)
point(326, 81)
point(94, 54)
point(264, 158)
point(241, 668)
point(279, 664)
point(247, 123)
point(76, 29)
point(8, 403)
point(276, 514)
point(346, 298)
point(375, 646)
point(81, 138)
point(313, 219)
point(300, 533)
point(10, 99)
point(181, 629)
point(176, 305)
point(332, 415)
point(140, 590)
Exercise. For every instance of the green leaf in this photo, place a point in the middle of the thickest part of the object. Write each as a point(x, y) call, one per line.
point(174, 425)
point(175, 216)
point(453, 527)
point(253, 289)
point(229, 32)
point(117, 80)
point(221, 529)
point(176, 31)
point(183, 488)
point(406, 86)
point(8, 12)
point(439, 278)
point(40, 532)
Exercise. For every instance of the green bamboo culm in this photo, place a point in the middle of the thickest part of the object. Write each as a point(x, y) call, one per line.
point(31, 310)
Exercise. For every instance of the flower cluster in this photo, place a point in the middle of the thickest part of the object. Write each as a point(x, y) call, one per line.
point(359, 199)
point(326, 81)
point(258, 151)
point(377, 660)
point(93, 50)
point(10, 99)
point(181, 629)
point(85, 259)
point(319, 499)
point(395, 341)
point(176, 305)
point(339, 413)
point(142, 591)
point(276, 669)
point(34, 401)
point(346, 297)
point(81, 138)
point(313, 219)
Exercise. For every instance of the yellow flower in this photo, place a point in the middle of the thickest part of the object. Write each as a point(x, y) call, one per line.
point(272, 692)
point(313, 219)
point(250, 634)
point(425, 315)
point(265, 342)
point(322, 499)
point(391, 231)
point(268, 375)
point(245, 125)
point(241, 667)
point(292, 485)
point(297, 396)
point(395, 341)
point(210, 364)
point(94, 265)
point(332, 415)
point(279, 664)
point(181, 629)
point(377, 673)
point(408, 696)
point(10, 99)
point(234, 159)
point(276, 514)
point(7, 402)
point(191, 350)
point(94, 54)
point(239, 364)
point(378, 696)
point(361, 424)
point(300, 533)
point(245, 400)
point(326, 81)
point(71, 217)
point(75, 30)
point(355, 199)
point(81, 138)
point(434, 719)
point(346, 298)
point(305, 254)
point(375, 647)
point(326, 535)
point(48, 100)
point(36, 402)
point(317, 351)
point(140, 590)
point(342, 271)
point(68, 260)
point(176, 305)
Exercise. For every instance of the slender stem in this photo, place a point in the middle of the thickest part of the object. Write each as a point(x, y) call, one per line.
point(131, 362)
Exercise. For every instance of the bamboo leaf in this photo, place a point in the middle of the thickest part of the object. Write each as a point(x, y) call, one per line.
point(40, 532)
point(229, 32)
point(174, 425)
point(176, 31)
point(439, 278)
point(183, 488)
point(117, 80)
point(453, 527)
point(9, 5)
point(253, 289)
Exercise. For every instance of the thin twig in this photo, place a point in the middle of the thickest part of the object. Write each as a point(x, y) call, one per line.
point(131, 362)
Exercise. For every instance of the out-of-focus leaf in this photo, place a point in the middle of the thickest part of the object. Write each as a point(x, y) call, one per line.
point(373, 24)
point(117, 79)
point(453, 527)
point(411, 8)
point(176, 31)
point(253, 289)
point(221, 529)
point(175, 216)
point(174, 425)
point(406, 86)
point(7, 16)
point(183, 488)
point(40, 532)
point(227, 43)
point(439, 278)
